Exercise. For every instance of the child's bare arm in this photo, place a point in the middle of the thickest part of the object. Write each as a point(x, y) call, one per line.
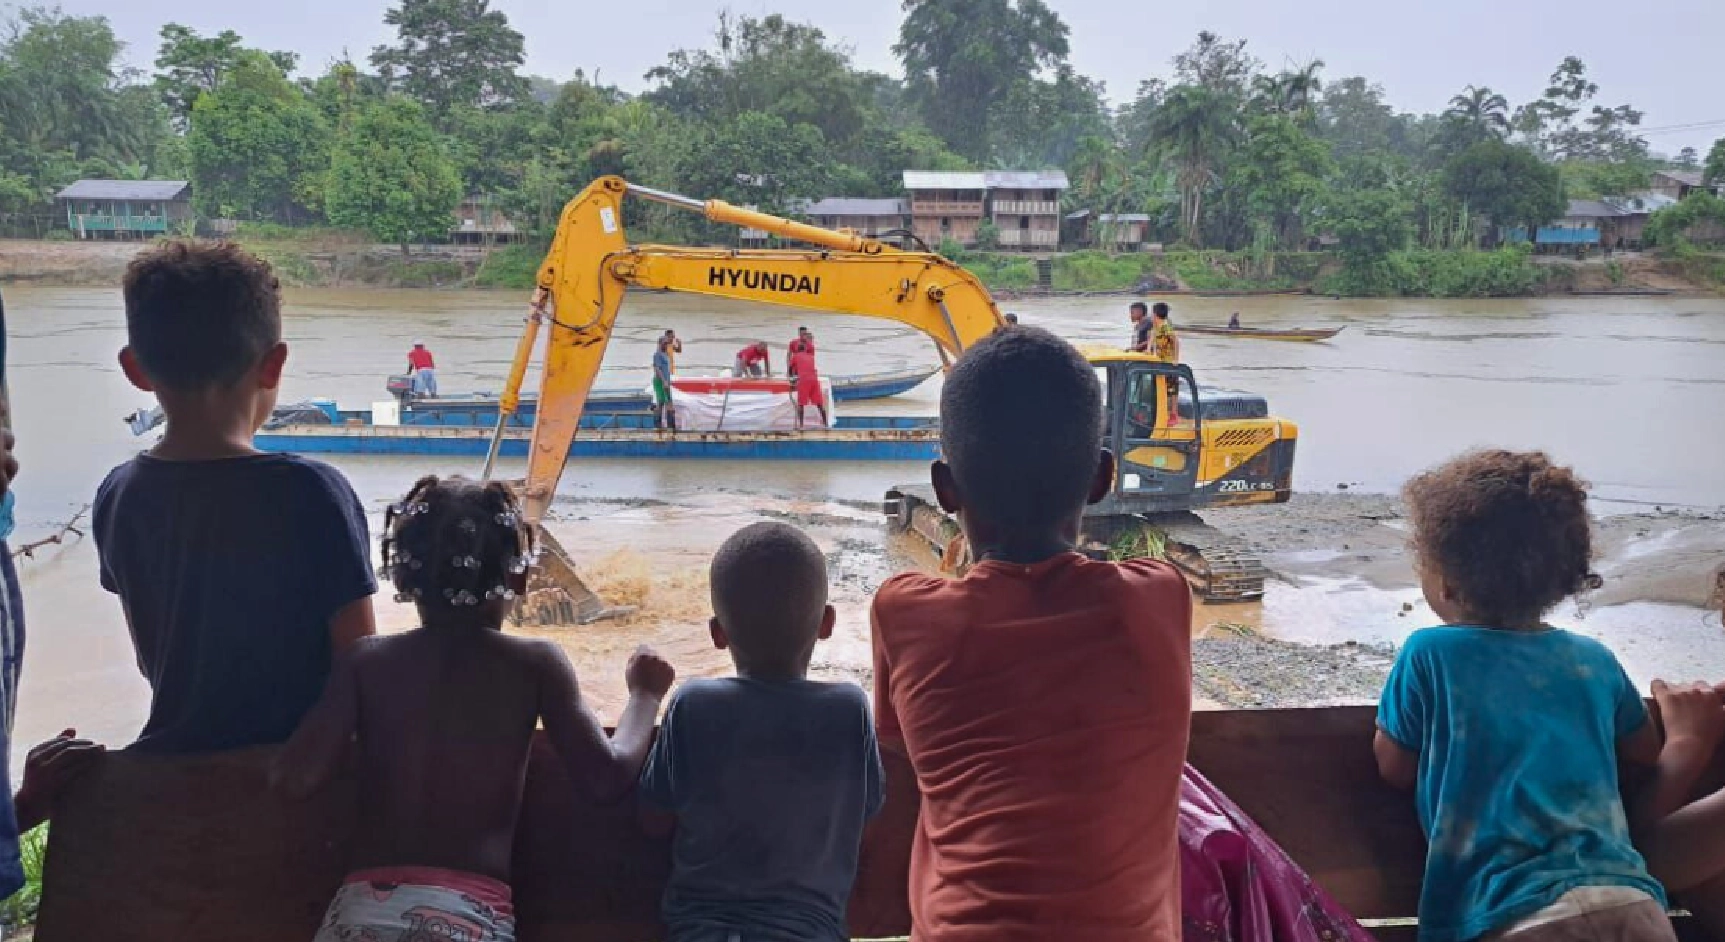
point(310, 758)
point(605, 766)
point(350, 623)
point(1398, 765)
point(1694, 724)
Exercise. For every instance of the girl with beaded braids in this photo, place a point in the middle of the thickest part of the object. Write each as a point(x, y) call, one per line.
point(444, 716)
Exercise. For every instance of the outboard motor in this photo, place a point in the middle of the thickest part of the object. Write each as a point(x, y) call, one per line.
point(401, 387)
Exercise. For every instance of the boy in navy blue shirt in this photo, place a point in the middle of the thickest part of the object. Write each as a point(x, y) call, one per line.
point(768, 775)
point(241, 573)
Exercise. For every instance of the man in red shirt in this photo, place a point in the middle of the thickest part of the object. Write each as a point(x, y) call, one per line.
point(424, 370)
point(754, 360)
point(1043, 699)
point(805, 380)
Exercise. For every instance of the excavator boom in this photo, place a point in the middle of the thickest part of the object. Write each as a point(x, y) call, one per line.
point(591, 265)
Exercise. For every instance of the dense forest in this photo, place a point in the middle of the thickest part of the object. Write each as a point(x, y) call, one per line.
point(1221, 153)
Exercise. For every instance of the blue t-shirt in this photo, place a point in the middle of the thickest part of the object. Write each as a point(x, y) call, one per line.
point(662, 365)
point(771, 782)
point(229, 572)
point(1517, 791)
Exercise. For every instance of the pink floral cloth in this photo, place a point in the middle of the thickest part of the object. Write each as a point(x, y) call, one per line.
point(1236, 885)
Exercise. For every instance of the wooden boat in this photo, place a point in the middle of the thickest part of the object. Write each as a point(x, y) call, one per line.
point(1305, 335)
point(466, 432)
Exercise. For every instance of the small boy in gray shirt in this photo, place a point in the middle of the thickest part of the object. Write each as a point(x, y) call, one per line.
point(768, 776)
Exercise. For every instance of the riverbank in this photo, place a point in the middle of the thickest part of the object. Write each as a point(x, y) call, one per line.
point(336, 260)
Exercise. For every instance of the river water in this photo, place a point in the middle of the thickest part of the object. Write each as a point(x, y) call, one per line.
point(1629, 390)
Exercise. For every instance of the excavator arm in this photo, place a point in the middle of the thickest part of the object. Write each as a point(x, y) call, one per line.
point(591, 265)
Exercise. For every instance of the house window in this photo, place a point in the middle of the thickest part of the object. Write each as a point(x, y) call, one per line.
point(1024, 222)
point(946, 224)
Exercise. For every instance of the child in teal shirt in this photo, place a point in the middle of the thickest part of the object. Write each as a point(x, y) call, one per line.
point(1509, 730)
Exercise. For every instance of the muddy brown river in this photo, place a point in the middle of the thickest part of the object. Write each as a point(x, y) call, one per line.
point(1629, 390)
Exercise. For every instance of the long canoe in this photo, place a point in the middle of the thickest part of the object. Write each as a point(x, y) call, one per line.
point(1261, 333)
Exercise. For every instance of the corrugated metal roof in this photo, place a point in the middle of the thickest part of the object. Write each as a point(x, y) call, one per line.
point(1124, 217)
point(858, 206)
point(1637, 204)
point(1685, 177)
point(1027, 180)
point(1592, 209)
point(125, 190)
point(940, 180)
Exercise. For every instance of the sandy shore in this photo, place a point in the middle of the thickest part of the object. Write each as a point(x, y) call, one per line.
point(1330, 552)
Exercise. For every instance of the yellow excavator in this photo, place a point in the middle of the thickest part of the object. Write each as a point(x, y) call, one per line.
point(1180, 446)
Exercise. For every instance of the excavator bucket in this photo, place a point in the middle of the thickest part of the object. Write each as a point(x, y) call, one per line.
point(557, 596)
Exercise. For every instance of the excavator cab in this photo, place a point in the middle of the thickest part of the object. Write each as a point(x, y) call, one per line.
point(1153, 426)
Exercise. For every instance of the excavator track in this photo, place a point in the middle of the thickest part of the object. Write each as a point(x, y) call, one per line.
point(1220, 567)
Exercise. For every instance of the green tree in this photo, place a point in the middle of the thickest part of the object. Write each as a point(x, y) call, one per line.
point(1212, 62)
point(67, 109)
point(392, 176)
point(1368, 224)
point(1282, 169)
point(1482, 111)
point(188, 65)
point(962, 57)
point(452, 53)
point(258, 147)
point(1195, 129)
point(1713, 171)
point(768, 65)
point(1672, 227)
point(1039, 123)
point(759, 160)
point(1509, 185)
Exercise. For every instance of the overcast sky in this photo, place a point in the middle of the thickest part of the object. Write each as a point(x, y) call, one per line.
point(1421, 52)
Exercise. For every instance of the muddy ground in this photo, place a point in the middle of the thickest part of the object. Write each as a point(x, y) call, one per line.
point(652, 554)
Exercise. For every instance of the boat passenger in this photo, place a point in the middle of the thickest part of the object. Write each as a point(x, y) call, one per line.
point(768, 776)
point(664, 413)
point(1140, 314)
point(241, 573)
point(805, 339)
point(423, 369)
point(805, 379)
point(1509, 731)
point(447, 723)
point(1234, 321)
point(754, 360)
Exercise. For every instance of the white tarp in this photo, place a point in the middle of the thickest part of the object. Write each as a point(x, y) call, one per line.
point(745, 411)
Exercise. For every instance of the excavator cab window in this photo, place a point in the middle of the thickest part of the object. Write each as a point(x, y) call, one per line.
point(1158, 428)
point(1160, 407)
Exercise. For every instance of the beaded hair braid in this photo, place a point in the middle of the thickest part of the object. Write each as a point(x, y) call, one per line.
point(452, 542)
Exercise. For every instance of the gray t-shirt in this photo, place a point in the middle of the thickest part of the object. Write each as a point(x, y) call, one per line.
point(771, 782)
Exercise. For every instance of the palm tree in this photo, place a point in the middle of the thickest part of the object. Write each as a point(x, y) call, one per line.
point(1194, 128)
point(1481, 109)
point(1300, 87)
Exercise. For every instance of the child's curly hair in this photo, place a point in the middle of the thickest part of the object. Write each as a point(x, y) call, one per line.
point(452, 543)
point(1508, 532)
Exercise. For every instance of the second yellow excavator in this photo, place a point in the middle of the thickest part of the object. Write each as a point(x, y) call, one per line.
point(1180, 446)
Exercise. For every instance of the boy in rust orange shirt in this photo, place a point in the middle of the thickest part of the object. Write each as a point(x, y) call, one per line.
point(1044, 698)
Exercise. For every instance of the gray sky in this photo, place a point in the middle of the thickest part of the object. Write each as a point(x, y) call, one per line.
point(1421, 52)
